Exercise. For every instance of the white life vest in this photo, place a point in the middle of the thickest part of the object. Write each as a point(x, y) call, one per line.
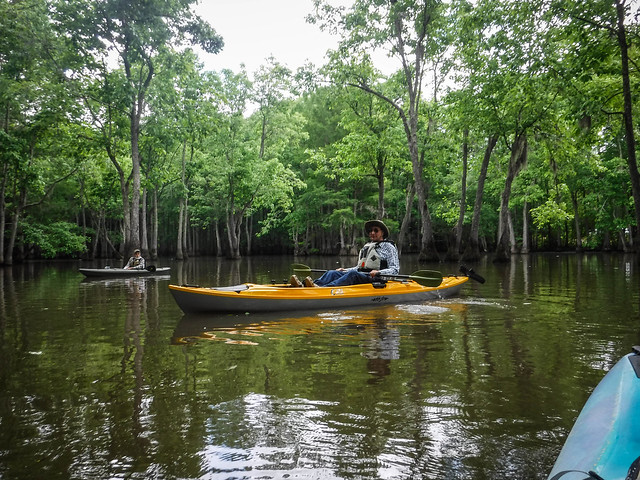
point(370, 258)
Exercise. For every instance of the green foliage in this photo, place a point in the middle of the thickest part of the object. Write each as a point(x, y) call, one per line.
point(56, 239)
point(550, 214)
point(308, 160)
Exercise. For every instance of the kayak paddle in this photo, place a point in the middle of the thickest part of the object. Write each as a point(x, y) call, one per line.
point(304, 269)
point(426, 278)
point(471, 274)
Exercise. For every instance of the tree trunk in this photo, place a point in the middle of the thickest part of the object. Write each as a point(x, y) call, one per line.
point(455, 254)
point(108, 244)
point(380, 177)
point(428, 250)
point(263, 134)
point(185, 230)
point(134, 239)
point(248, 224)
point(413, 71)
point(526, 248)
point(144, 240)
point(304, 247)
point(517, 160)
point(606, 241)
point(576, 219)
point(296, 243)
point(628, 115)
point(154, 226)
point(3, 210)
point(142, 81)
point(216, 226)
point(124, 188)
point(96, 222)
point(179, 251)
point(512, 234)
point(233, 233)
point(22, 201)
point(83, 214)
point(472, 251)
point(406, 220)
point(343, 244)
point(19, 207)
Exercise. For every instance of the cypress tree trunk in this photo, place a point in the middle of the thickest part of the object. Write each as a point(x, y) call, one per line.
point(144, 240)
point(179, 251)
point(576, 219)
point(512, 234)
point(406, 220)
point(517, 160)
point(628, 114)
point(472, 251)
point(154, 226)
point(454, 250)
point(526, 248)
point(234, 226)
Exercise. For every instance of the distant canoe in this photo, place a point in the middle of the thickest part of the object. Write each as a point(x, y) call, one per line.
point(121, 272)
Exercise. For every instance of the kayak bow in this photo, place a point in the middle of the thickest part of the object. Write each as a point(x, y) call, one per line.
point(605, 439)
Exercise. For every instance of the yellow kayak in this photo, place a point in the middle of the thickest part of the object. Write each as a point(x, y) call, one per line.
point(251, 297)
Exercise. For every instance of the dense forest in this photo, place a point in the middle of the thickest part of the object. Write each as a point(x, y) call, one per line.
point(507, 127)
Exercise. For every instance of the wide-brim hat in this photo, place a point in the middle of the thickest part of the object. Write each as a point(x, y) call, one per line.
point(376, 223)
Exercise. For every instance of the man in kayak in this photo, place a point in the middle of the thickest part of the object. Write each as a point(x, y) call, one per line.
point(136, 262)
point(378, 257)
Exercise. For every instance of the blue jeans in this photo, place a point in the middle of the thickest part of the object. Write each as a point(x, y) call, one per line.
point(336, 278)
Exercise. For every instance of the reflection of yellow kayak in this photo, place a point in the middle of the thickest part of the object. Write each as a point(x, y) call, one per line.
point(250, 297)
point(242, 328)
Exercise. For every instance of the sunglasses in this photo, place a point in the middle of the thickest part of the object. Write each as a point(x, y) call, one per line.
point(375, 230)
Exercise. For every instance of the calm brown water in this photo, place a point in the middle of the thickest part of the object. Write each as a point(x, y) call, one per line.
point(108, 379)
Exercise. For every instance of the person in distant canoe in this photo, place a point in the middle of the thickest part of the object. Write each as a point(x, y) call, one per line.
point(136, 262)
point(378, 257)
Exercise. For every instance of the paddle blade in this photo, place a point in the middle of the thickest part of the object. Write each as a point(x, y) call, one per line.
point(427, 278)
point(471, 274)
point(301, 268)
point(304, 269)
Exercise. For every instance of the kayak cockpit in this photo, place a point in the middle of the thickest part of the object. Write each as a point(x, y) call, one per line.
point(246, 286)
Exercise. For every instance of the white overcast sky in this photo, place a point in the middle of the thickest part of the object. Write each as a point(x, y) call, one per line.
point(253, 30)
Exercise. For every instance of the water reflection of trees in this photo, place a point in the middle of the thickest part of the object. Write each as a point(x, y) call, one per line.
point(68, 381)
point(485, 386)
